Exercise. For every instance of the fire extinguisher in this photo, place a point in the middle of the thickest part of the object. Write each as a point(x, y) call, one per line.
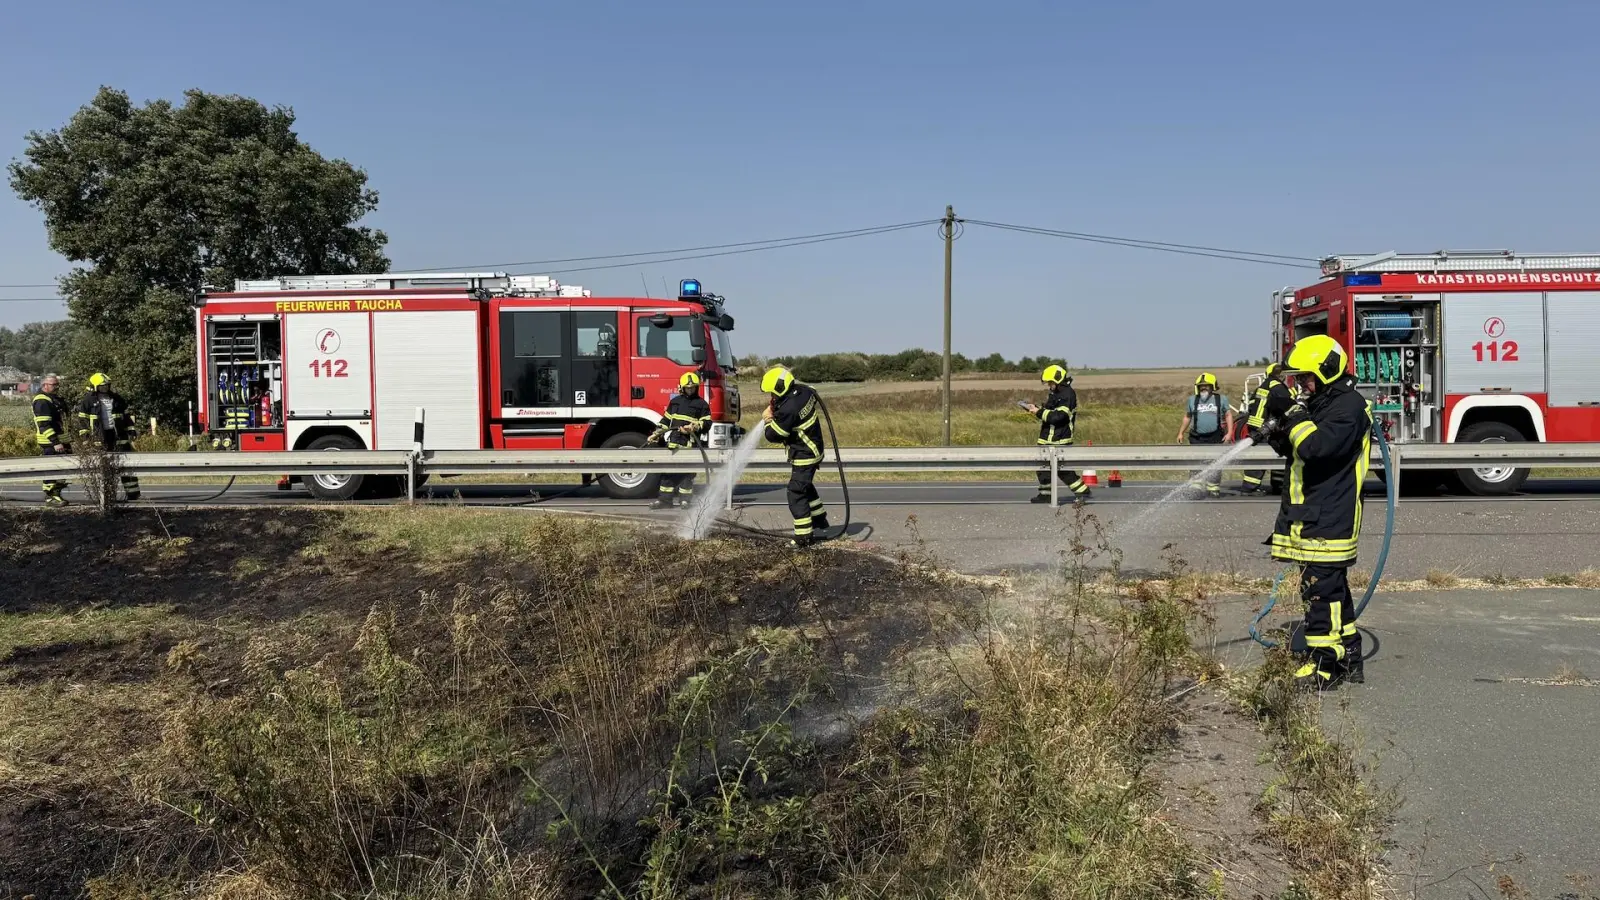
point(264, 419)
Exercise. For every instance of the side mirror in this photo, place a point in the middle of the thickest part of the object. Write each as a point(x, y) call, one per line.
point(726, 322)
point(699, 356)
point(661, 320)
point(697, 331)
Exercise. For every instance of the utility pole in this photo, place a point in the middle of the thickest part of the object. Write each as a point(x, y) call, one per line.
point(949, 230)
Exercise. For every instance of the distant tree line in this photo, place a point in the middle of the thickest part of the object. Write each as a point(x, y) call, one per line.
point(37, 348)
point(907, 365)
point(1261, 363)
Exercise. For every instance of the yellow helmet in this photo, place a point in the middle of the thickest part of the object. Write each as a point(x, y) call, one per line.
point(777, 381)
point(1319, 355)
point(1206, 379)
point(98, 379)
point(689, 379)
point(1053, 374)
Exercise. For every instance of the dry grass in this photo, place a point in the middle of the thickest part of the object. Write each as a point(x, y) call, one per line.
point(493, 704)
point(1321, 810)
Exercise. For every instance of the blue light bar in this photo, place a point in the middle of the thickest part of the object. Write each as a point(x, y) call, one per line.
point(689, 288)
point(1365, 279)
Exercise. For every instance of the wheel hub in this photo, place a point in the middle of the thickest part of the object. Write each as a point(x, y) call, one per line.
point(1493, 474)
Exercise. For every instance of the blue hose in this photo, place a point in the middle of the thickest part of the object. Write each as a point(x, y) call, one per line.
point(1392, 488)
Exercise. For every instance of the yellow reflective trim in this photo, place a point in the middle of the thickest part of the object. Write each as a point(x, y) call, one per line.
point(1300, 432)
point(781, 431)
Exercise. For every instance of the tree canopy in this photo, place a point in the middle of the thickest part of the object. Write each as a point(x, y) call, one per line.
point(161, 201)
point(37, 348)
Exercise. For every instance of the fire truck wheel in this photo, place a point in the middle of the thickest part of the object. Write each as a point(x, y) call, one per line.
point(628, 485)
point(334, 487)
point(1490, 481)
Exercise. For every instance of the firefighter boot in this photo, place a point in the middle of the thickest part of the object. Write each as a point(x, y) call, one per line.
point(1040, 498)
point(664, 501)
point(53, 498)
point(1355, 672)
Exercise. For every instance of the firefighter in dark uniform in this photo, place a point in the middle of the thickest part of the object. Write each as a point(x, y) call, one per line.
point(1056, 418)
point(50, 430)
point(103, 417)
point(687, 416)
point(1271, 401)
point(791, 419)
point(1328, 441)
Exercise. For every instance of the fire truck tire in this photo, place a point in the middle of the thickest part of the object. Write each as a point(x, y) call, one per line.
point(626, 487)
point(1490, 481)
point(1419, 484)
point(334, 487)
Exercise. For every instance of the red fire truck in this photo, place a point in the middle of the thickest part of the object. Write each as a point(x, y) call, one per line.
point(495, 361)
point(1460, 346)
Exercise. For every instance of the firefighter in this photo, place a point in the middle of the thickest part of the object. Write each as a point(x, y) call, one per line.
point(103, 417)
point(1056, 420)
point(687, 415)
point(1271, 401)
point(791, 419)
point(50, 431)
point(1207, 419)
point(1327, 438)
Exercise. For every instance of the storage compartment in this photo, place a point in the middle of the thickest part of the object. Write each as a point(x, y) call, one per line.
point(244, 382)
point(1397, 364)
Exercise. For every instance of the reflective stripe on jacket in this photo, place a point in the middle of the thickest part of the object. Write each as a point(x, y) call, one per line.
point(1058, 415)
point(49, 427)
point(794, 424)
point(683, 411)
point(1319, 518)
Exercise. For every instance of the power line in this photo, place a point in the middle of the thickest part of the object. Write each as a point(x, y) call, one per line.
point(1249, 256)
point(887, 229)
point(781, 242)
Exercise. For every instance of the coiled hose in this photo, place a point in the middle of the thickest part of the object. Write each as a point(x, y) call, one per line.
point(844, 485)
point(1391, 493)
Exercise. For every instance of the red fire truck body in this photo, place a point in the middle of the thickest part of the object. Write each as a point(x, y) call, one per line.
point(494, 361)
point(1463, 346)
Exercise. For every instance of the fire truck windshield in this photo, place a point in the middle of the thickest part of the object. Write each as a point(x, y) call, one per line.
point(722, 347)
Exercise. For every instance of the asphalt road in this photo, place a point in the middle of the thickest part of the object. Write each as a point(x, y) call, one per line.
point(1483, 708)
point(987, 527)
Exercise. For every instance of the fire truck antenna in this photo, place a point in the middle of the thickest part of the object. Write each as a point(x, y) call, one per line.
point(646, 287)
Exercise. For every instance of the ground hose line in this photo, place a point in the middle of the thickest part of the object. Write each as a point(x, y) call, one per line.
point(1391, 494)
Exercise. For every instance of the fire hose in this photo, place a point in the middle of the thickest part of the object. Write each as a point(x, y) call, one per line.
point(1392, 487)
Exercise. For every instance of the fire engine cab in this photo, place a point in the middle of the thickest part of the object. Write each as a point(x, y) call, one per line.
point(1461, 346)
point(496, 361)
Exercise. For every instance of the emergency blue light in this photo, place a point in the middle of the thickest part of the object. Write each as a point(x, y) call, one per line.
point(689, 287)
point(1366, 279)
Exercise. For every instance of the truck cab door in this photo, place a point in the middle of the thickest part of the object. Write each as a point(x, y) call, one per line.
point(662, 352)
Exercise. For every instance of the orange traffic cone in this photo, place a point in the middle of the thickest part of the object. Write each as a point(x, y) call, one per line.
point(1116, 478)
point(1089, 477)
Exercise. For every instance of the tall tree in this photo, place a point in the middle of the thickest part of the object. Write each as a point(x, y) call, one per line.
point(162, 201)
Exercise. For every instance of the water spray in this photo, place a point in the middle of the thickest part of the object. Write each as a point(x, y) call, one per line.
point(699, 520)
point(1391, 493)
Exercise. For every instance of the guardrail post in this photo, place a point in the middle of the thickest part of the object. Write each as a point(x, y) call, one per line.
point(411, 478)
point(416, 429)
point(1394, 471)
point(728, 501)
point(1055, 468)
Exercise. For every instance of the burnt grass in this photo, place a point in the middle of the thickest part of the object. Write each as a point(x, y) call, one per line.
point(199, 586)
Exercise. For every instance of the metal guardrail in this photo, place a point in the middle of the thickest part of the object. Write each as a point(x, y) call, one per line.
point(858, 459)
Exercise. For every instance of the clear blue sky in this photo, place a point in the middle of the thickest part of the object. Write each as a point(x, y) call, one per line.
point(502, 132)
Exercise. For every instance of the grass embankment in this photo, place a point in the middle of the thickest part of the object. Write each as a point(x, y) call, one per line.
point(457, 703)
